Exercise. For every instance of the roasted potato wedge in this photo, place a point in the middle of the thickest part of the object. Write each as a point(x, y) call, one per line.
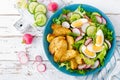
point(70, 41)
point(55, 26)
point(78, 59)
point(50, 37)
point(57, 43)
point(68, 55)
point(73, 64)
point(61, 31)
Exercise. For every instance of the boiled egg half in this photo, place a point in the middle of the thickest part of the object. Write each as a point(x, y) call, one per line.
point(78, 23)
point(87, 52)
point(93, 48)
point(99, 38)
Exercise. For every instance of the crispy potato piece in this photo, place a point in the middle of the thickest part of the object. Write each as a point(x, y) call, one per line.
point(50, 37)
point(61, 50)
point(61, 31)
point(70, 41)
point(55, 26)
point(73, 64)
point(68, 55)
point(56, 44)
point(78, 59)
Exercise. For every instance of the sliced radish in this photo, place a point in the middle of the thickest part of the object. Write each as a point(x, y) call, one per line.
point(66, 24)
point(76, 31)
point(22, 53)
point(99, 18)
point(83, 66)
point(88, 41)
point(84, 27)
point(38, 58)
point(41, 67)
point(69, 14)
point(103, 20)
point(88, 66)
point(108, 42)
point(96, 64)
point(23, 59)
point(78, 38)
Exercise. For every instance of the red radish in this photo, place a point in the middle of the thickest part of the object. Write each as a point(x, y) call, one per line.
point(78, 38)
point(76, 31)
point(88, 66)
point(22, 53)
point(27, 38)
point(96, 64)
point(38, 58)
point(69, 14)
point(23, 59)
point(41, 67)
point(99, 18)
point(83, 66)
point(88, 41)
point(66, 24)
point(103, 20)
point(52, 6)
point(108, 42)
point(84, 27)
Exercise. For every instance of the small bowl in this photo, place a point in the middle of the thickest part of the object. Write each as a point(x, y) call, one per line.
point(49, 30)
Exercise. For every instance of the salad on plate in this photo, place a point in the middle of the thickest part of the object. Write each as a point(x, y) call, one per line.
point(79, 40)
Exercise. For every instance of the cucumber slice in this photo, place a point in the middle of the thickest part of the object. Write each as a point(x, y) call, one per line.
point(74, 16)
point(33, 0)
point(96, 13)
point(40, 20)
point(40, 8)
point(36, 14)
point(32, 6)
point(91, 30)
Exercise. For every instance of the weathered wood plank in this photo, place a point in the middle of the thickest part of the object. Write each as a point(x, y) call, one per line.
point(9, 46)
point(29, 72)
point(7, 6)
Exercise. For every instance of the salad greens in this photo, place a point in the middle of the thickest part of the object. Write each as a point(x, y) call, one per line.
point(97, 27)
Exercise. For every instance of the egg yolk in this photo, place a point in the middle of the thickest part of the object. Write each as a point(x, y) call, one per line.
point(99, 39)
point(89, 52)
point(77, 24)
point(97, 48)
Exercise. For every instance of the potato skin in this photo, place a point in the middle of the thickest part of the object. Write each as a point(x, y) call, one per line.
point(73, 64)
point(68, 55)
point(55, 44)
point(70, 41)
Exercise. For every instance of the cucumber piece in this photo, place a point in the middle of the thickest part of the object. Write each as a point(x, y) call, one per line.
point(96, 13)
point(36, 14)
point(33, 0)
point(32, 6)
point(74, 16)
point(40, 20)
point(91, 30)
point(40, 8)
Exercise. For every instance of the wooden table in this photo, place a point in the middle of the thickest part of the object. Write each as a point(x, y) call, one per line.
point(10, 42)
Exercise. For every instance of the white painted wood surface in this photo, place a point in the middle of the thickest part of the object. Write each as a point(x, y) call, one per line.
point(10, 42)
